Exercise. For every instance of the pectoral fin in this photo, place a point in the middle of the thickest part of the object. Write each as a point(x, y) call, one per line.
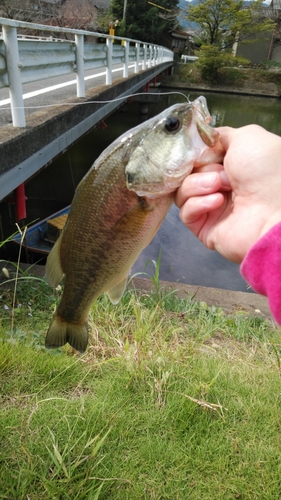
point(116, 293)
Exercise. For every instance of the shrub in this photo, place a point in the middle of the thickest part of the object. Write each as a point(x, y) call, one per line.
point(231, 76)
point(212, 59)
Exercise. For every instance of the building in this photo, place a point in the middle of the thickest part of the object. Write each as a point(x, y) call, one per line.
point(268, 46)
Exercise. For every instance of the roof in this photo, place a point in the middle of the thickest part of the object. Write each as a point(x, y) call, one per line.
point(101, 4)
point(180, 34)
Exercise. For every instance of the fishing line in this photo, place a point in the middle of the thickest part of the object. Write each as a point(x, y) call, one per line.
point(99, 102)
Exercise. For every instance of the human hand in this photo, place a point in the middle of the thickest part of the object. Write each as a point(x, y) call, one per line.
point(230, 206)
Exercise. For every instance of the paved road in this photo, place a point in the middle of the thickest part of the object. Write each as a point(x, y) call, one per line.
point(53, 91)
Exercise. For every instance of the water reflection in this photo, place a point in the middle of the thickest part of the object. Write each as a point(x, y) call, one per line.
point(239, 111)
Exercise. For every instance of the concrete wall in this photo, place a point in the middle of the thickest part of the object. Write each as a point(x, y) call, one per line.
point(256, 52)
point(276, 52)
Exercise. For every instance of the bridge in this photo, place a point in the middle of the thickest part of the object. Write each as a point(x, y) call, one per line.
point(38, 134)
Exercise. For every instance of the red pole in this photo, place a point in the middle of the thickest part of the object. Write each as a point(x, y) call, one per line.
point(20, 202)
point(147, 87)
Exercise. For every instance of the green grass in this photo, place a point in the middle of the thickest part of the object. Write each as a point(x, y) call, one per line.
point(172, 400)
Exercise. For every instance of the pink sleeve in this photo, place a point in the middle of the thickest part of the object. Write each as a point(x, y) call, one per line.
point(261, 268)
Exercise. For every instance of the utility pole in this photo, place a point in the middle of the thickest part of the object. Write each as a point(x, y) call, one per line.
point(124, 12)
point(159, 6)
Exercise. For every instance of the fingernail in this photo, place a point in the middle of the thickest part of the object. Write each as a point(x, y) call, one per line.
point(224, 178)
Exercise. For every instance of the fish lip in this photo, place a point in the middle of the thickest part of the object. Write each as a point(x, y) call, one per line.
point(179, 174)
point(154, 196)
point(151, 191)
point(146, 193)
point(205, 114)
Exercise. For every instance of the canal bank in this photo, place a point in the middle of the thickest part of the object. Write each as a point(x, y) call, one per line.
point(247, 304)
point(232, 302)
point(258, 89)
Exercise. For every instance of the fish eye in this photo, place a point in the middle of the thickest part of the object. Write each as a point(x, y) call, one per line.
point(172, 124)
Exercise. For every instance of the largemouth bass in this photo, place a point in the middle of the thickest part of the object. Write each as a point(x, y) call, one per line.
point(117, 209)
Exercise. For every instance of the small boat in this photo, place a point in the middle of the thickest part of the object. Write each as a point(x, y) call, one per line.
point(40, 237)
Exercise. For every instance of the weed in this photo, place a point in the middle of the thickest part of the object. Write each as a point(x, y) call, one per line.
point(155, 277)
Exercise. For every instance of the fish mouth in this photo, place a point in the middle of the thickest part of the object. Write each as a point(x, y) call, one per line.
point(149, 190)
point(163, 187)
point(154, 194)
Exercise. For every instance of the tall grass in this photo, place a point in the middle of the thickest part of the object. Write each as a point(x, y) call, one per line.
point(172, 400)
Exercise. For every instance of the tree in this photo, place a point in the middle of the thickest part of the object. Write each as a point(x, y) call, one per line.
point(274, 13)
point(221, 20)
point(13, 9)
point(146, 21)
point(77, 14)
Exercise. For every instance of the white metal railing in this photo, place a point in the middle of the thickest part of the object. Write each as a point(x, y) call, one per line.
point(36, 37)
point(187, 59)
point(24, 60)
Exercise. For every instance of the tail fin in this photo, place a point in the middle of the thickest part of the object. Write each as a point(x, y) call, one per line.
point(60, 333)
